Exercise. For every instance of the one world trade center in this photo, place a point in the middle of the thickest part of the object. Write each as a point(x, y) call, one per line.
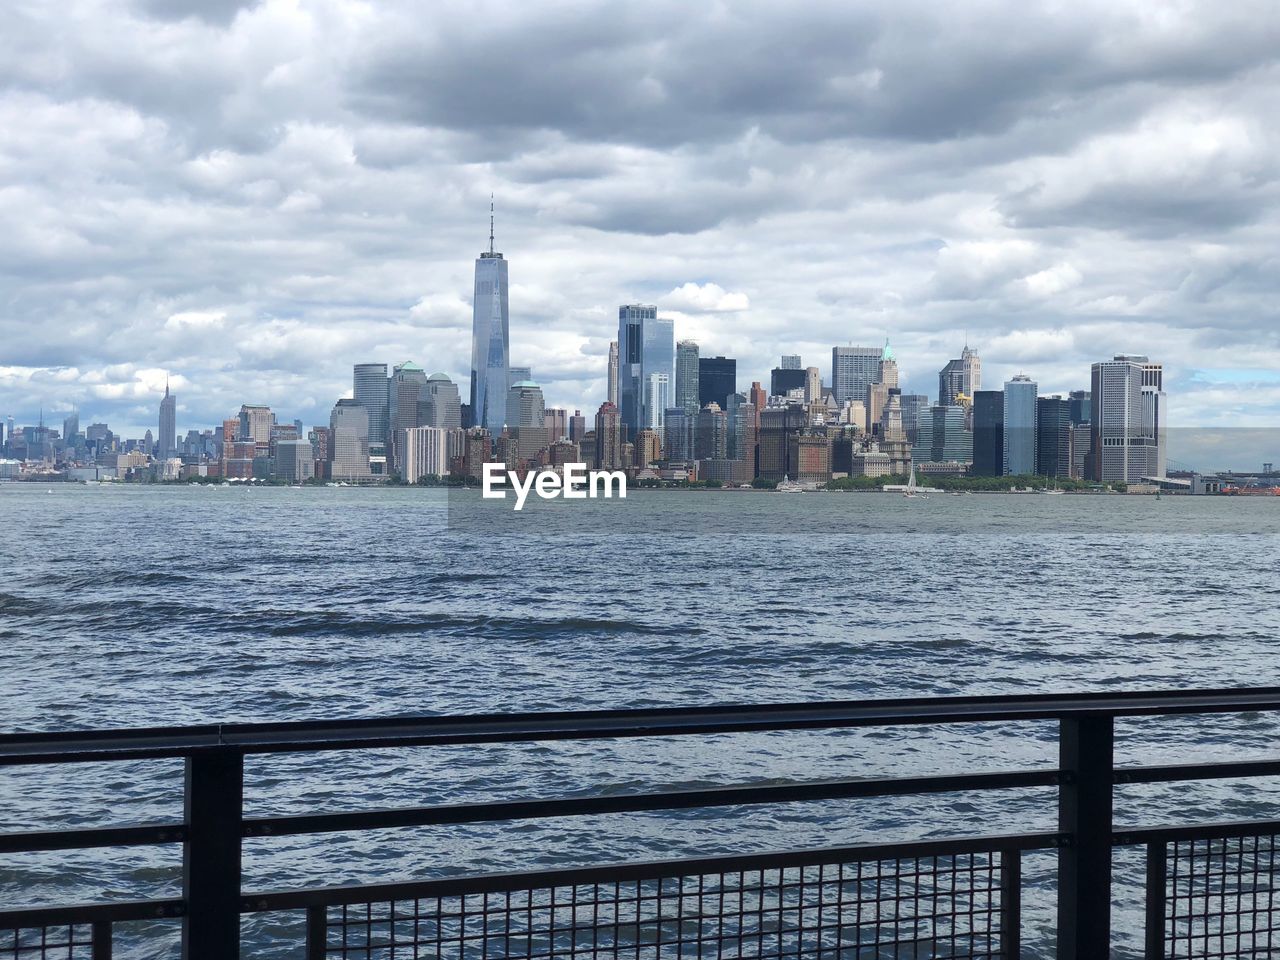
point(490, 341)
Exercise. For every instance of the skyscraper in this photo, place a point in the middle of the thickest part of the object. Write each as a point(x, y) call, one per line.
point(1053, 437)
point(942, 437)
point(70, 427)
point(490, 340)
point(612, 394)
point(168, 424)
point(790, 361)
point(369, 389)
point(657, 369)
point(636, 324)
point(525, 406)
point(256, 422)
point(687, 376)
point(988, 433)
point(440, 404)
point(782, 380)
point(404, 390)
point(657, 398)
point(717, 379)
point(516, 374)
point(349, 432)
point(1020, 426)
point(853, 369)
point(608, 437)
point(426, 453)
point(960, 376)
point(1128, 420)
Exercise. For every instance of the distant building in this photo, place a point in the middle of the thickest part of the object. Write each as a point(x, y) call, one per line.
point(943, 437)
point(1020, 426)
point(790, 361)
point(1053, 437)
point(1128, 420)
point(1081, 406)
point(426, 453)
point(490, 340)
point(633, 318)
point(677, 434)
point(687, 376)
point(556, 420)
point(782, 380)
point(168, 446)
point(711, 441)
point(608, 439)
point(960, 376)
point(294, 461)
point(521, 373)
point(404, 390)
point(913, 405)
point(370, 390)
point(577, 426)
point(612, 395)
point(717, 380)
point(439, 404)
point(778, 424)
point(525, 406)
point(811, 455)
point(349, 427)
point(853, 369)
point(657, 397)
point(988, 433)
point(256, 422)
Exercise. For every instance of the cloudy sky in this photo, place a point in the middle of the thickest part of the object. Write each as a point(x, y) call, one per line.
point(251, 197)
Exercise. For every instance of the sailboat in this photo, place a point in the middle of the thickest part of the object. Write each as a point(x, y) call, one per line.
point(911, 492)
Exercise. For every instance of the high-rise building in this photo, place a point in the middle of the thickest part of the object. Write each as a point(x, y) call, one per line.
point(812, 384)
point(369, 388)
point(657, 360)
point(520, 373)
point(70, 427)
point(1081, 406)
point(1128, 420)
point(960, 376)
point(1020, 426)
point(612, 394)
point(853, 369)
point(294, 460)
point(988, 433)
point(440, 403)
point(687, 376)
point(943, 437)
point(657, 398)
point(168, 425)
point(782, 380)
point(711, 441)
point(1053, 437)
point(256, 422)
point(913, 406)
point(778, 424)
point(525, 406)
point(717, 380)
point(631, 328)
point(349, 428)
point(404, 391)
point(790, 361)
point(490, 340)
point(577, 426)
point(608, 453)
point(426, 453)
point(557, 423)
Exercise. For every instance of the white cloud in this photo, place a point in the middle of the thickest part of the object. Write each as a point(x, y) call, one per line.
point(704, 298)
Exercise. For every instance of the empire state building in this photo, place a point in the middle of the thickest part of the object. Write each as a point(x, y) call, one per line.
point(490, 340)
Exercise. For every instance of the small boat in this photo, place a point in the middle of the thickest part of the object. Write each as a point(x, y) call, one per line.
point(910, 493)
point(787, 485)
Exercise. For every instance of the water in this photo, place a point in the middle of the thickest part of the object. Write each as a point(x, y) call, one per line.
point(130, 606)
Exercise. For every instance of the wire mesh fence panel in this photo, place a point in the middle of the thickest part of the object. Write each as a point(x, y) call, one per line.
point(1220, 899)
point(54, 942)
point(910, 908)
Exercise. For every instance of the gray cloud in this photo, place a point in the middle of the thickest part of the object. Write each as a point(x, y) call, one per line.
point(255, 196)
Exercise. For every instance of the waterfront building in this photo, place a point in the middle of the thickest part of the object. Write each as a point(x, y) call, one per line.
point(562, 452)
point(321, 439)
point(294, 460)
point(1127, 418)
point(439, 404)
point(943, 437)
point(168, 433)
point(349, 427)
point(490, 340)
point(741, 417)
point(369, 388)
point(711, 441)
point(687, 376)
point(1081, 446)
point(648, 447)
point(479, 451)
point(962, 376)
point(810, 454)
point(988, 433)
point(608, 439)
point(871, 462)
point(1053, 437)
point(728, 472)
point(1020, 426)
point(426, 453)
point(778, 424)
point(612, 391)
point(677, 434)
point(853, 369)
point(717, 380)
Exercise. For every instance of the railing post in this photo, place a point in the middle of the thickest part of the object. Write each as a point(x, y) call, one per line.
point(211, 855)
point(1086, 758)
point(1156, 885)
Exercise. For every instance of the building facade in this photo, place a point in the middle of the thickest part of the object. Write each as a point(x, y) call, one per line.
point(1020, 426)
point(490, 341)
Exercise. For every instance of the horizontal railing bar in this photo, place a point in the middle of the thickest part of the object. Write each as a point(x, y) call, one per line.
point(91, 913)
point(1196, 831)
point(1174, 773)
point(642, 802)
point(653, 870)
point(147, 835)
point(156, 743)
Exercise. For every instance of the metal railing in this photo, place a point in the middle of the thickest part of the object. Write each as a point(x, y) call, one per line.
point(1209, 887)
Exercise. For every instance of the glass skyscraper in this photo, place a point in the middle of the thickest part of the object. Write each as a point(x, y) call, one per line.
point(369, 389)
point(1020, 426)
point(657, 368)
point(631, 346)
point(490, 342)
point(687, 376)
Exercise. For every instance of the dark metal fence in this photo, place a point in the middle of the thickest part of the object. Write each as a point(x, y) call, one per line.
point(1210, 889)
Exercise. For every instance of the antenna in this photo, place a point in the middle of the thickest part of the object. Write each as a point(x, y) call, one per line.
point(491, 224)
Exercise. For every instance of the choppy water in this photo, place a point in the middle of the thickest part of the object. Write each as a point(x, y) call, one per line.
point(135, 606)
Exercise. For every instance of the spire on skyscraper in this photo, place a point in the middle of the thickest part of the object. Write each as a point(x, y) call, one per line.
point(491, 224)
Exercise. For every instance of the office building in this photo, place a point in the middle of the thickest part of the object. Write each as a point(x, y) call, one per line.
point(778, 425)
point(782, 380)
point(657, 397)
point(1081, 406)
point(294, 460)
point(717, 380)
point(1053, 437)
point(677, 434)
point(168, 433)
point(960, 377)
point(608, 439)
point(853, 369)
point(943, 437)
point(913, 405)
point(790, 361)
point(490, 340)
point(577, 426)
point(369, 388)
point(1127, 419)
point(810, 455)
point(557, 423)
point(1020, 426)
point(349, 429)
point(256, 422)
point(525, 405)
point(426, 453)
point(687, 376)
point(632, 318)
point(711, 441)
point(657, 368)
point(439, 404)
point(612, 390)
point(988, 433)
point(516, 374)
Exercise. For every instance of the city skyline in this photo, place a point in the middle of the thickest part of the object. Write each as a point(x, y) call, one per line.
point(325, 207)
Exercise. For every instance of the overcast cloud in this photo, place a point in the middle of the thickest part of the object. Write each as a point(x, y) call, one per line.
point(250, 198)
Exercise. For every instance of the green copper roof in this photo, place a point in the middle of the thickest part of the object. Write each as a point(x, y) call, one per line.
point(888, 351)
point(524, 383)
point(438, 376)
point(408, 365)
